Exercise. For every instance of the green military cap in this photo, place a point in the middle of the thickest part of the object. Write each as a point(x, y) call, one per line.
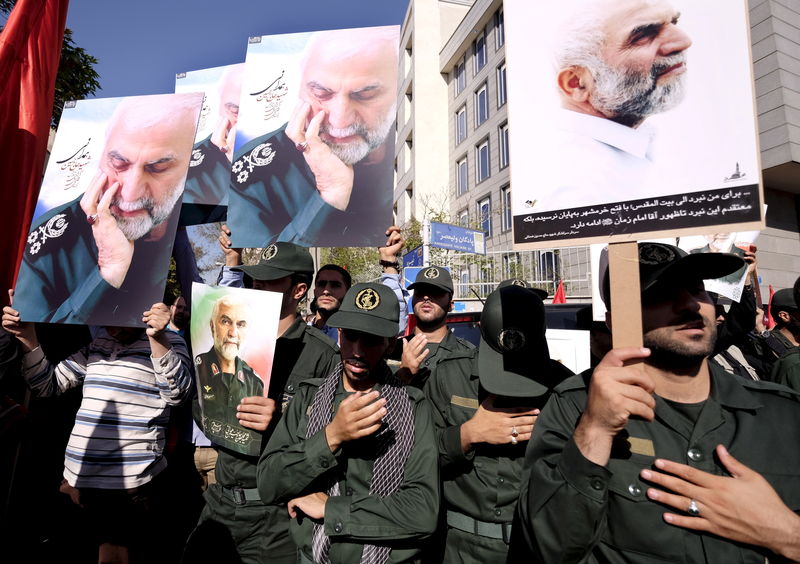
point(513, 358)
point(434, 276)
point(279, 260)
point(522, 284)
point(667, 266)
point(783, 300)
point(371, 308)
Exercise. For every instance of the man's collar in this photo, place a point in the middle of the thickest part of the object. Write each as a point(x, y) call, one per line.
point(295, 330)
point(727, 390)
point(636, 142)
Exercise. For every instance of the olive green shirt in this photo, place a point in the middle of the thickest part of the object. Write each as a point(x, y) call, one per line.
point(302, 352)
point(573, 510)
point(293, 465)
point(450, 345)
point(220, 394)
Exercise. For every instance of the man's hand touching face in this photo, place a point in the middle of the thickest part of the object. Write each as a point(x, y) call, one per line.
point(334, 178)
point(114, 250)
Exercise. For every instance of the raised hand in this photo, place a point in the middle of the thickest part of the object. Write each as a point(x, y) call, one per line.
point(334, 179)
point(359, 415)
point(617, 392)
point(255, 412)
point(114, 250)
point(498, 426)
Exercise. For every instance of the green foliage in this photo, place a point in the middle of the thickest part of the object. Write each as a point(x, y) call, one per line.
point(360, 262)
point(173, 289)
point(76, 78)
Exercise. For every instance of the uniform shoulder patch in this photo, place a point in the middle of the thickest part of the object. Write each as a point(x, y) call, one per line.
point(52, 229)
point(198, 360)
point(198, 156)
point(262, 155)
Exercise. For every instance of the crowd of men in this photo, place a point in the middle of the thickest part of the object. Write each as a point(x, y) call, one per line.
point(378, 444)
point(454, 453)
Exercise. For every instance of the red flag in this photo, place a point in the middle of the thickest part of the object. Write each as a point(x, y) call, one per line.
point(30, 50)
point(560, 297)
point(768, 321)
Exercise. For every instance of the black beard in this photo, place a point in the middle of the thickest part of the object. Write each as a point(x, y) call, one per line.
point(676, 357)
point(430, 325)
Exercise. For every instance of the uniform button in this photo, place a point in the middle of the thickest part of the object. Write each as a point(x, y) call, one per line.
point(501, 479)
point(635, 490)
point(323, 462)
point(337, 528)
point(597, 484)
point(497, 512)
point(695, 455)
point(348, 491)
point(290, 388)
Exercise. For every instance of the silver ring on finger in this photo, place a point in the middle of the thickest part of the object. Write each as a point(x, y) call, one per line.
point(302, 147)
point(514, 432)
point(91, 219)
point(693, 509)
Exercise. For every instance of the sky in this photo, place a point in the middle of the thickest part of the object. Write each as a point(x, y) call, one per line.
point(142, 44)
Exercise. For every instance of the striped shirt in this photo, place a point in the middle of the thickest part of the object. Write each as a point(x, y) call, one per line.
point(118, 438)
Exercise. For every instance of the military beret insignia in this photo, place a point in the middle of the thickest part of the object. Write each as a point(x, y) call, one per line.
point(431, 273)
point(655, 254)
point(367, 299)
point(511, 340)
point(269, 253)
point(198, 361)
point(518, 282)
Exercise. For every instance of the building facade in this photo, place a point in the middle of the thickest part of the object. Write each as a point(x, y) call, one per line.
point(472, 151)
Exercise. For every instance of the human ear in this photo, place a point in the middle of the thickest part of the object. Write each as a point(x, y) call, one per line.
point(574, 82)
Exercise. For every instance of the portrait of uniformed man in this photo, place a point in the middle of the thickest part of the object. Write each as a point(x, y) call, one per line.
point(208, 179)
point(103, 257)
point(326, 175)
point(223, 378)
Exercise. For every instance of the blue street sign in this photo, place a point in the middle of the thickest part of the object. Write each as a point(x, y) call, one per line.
point(457, 238)
point(413, 257)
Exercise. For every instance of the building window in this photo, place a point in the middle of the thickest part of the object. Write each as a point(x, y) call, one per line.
point(485, 215)
point(461, 177)
point(481, 104)
point(479, 52)
point(501, 85)
point(482, 161)
point(460, 76)
point(463, 218)
point(461, 124)
point(505, 197)
point(502, 134)
point(499, 29)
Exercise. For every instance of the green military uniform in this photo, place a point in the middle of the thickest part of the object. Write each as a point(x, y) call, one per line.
point(59, 280)
point(574, 510)
point(205, 194)
point(274, 197)
point(481, 486)
point(302, 352)
point(786, 369)
point(383, 488)
point(291, 464)
point(220, 393)
point(438, 278)
point(438, 352)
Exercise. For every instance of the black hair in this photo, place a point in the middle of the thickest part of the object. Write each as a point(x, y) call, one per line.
point(348, 280)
